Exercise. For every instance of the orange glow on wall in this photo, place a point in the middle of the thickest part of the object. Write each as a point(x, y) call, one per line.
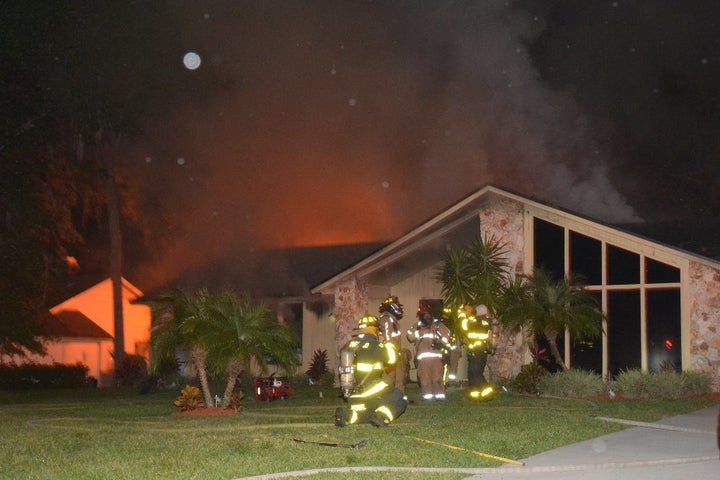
point(96, 303)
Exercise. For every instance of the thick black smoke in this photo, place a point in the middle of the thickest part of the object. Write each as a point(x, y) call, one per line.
point(352, 122)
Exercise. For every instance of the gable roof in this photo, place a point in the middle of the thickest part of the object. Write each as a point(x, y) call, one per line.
point(129, 292)
point(425, 245)
point(73, 324)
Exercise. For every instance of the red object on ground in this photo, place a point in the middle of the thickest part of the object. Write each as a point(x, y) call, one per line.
point(271, 388)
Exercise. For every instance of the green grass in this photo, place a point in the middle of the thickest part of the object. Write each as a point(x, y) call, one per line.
point(89, 434)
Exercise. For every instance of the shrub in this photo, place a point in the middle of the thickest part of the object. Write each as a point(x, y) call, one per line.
point(574, 383)
point(32, 375)
point(528, 380)
point(696, 383)
point(235, 400)
point(636, 384)
point(190, 399)
point(318, 366)
point(132, 371)
point(504, 383)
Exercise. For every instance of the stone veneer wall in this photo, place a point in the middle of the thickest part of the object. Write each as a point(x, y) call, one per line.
point(351, 300)
point(704, 294)
point(503, 220)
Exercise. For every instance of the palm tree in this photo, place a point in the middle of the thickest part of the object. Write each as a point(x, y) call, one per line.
point(174, 327)
point(237, 331)
point(548, 307)
point(474, 274)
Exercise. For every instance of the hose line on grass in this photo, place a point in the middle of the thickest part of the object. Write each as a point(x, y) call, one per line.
point(481, 454)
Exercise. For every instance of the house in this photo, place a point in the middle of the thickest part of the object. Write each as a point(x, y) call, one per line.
point(81, 330)
point(662, 302)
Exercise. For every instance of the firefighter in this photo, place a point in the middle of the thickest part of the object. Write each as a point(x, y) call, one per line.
point(477, 329)
point(452, 351)
point(430, 336)
point(391, 311)
point(363, 361)
point(451, 357)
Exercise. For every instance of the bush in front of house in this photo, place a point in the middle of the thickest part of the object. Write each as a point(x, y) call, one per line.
point(32, 375)
point(190, 399)
point(636, 384)
point(528, 380)
point(131, 371)
point(317, 372)
point(573, 383)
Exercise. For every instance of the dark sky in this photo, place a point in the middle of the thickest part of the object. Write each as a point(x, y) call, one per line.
point(337, 122)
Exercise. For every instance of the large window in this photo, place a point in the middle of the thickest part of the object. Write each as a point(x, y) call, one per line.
point(585, 258)
point(640, 296)
point(663, 329)
point(587, 353)
point(550, 249)
point(623, 330)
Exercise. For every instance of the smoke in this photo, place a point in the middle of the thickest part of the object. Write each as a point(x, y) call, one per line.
point(351, 122)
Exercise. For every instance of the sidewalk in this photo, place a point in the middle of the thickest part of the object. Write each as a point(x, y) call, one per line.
point(673, 448)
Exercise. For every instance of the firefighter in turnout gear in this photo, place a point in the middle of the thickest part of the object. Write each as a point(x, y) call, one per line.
point(477, 330)
point(431, 337)
point(363, 361)
point(391, 311)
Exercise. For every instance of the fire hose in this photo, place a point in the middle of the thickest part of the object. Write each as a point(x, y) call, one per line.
point(354, 446)
point(481, 454)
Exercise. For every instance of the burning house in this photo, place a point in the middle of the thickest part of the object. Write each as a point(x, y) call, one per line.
point(661, 302)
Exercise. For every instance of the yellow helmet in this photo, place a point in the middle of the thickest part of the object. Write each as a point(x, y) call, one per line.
point(368, 324)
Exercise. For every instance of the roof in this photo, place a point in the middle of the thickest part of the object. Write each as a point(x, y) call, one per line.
point(458, 225)
point(73, 324)
point(273, 273)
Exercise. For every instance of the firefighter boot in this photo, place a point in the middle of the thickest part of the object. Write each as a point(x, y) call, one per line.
point(341, 417)
point(377, 420)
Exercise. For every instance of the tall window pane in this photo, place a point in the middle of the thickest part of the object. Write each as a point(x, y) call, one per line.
point(658, 272)
point(587, 353)
point(586, 258)
point(623, 331)
point(663, 330)
point(623, 266)
point(549, 249)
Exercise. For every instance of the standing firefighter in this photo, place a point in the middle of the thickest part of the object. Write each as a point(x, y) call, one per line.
point(363, 361)
point(478, 337)
point(391, 311)
point(431, 337)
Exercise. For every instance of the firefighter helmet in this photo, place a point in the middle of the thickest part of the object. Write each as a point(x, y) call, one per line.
point(368, 324)
point(393, 306)
point(425, 313)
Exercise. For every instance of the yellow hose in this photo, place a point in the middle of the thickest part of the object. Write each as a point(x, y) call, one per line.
point(486, 455)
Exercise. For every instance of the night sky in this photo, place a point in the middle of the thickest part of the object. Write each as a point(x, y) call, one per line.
point(337, 122)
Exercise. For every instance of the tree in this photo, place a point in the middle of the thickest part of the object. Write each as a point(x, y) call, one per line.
point(238, 331)
point(548, 308)
point(474, 274)
point(78, 77)
point(175, 326)
point(224, 332)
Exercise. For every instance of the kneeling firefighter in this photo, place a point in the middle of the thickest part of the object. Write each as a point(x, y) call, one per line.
point(363, 361)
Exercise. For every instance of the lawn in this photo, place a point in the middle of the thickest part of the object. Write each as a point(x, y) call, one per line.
point(118, 434)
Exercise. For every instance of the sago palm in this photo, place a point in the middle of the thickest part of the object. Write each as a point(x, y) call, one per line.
point(474, 273)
